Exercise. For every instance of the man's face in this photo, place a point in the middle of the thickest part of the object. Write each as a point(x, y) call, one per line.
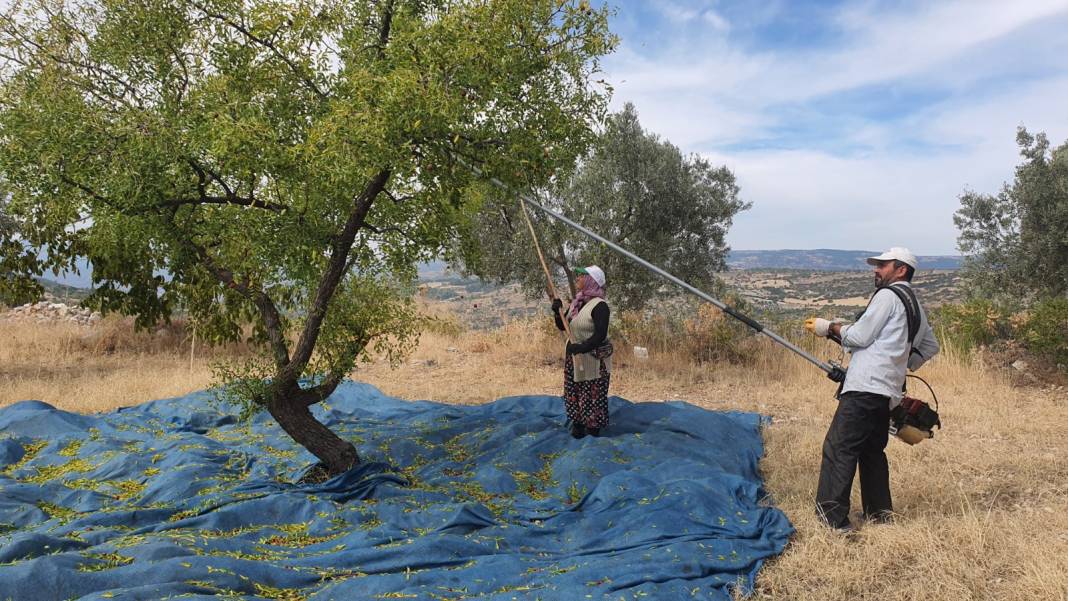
point(886, 273)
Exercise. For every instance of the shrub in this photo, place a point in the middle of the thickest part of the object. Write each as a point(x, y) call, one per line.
point(971, 324)
point(713, 336)
point(444, 324)
point(697, 332)
point(1045, 330)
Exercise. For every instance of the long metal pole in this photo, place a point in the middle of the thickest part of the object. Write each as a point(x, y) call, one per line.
point(834, 372)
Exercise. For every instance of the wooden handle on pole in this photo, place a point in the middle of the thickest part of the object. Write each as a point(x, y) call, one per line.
point(545, 268)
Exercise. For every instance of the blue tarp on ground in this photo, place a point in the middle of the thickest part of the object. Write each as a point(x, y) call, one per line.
point(496, 501)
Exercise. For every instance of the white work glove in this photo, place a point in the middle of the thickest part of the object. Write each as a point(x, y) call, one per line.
point(818, 326)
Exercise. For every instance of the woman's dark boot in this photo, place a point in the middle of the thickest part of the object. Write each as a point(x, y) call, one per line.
point(593, 431)
point(577, 430)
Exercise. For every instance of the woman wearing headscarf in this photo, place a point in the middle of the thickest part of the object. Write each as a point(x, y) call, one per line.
point(587, 363)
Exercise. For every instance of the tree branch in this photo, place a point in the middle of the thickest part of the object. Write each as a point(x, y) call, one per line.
point(183, 85)
point(562, 256)
point(383, 30)
point(266, 44)
point(395, 199)
point(225, 200)
point(335, 269)
point(391, 228)
point(507, 221)
point(310, 396)
point(231, 198)
point(92, 73)
point(92, 193)
point(272, 318)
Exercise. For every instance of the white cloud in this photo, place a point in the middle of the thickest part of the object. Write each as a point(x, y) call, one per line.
point(889, 46)
point(681, 14)
point(675, 11)
point(880, 47)
point(716, 20)
point(806, 199)
point(891, 198)
point(995, 65)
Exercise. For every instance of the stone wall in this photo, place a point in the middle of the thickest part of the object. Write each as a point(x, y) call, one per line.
point(46, 311)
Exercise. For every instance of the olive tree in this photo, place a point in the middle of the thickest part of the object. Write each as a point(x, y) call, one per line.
point(17, 283)
point(633, 188)
point(1016, 242)
point(281, 163)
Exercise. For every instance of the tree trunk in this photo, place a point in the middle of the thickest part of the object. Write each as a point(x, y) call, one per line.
point(296, 419)
point(562, 261)
point(289, 405)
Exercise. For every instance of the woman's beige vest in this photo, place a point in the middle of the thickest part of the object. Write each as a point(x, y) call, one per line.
point(587, 367)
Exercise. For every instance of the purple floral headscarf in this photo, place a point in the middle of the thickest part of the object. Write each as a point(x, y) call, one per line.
point(591, 290)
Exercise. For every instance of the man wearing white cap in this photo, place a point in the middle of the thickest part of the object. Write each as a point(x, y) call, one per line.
point(891, 335)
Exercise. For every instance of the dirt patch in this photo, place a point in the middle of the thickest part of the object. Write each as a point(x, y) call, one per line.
point(1022, 368)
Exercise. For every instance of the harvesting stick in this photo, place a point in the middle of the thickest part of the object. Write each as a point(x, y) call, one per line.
point(545, 267)
point(834, 372)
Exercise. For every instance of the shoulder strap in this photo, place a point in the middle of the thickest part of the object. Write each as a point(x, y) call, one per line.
point(912, 308)
point(912, 314)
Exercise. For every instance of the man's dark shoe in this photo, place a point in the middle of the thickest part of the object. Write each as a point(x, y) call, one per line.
point(578, 430)
point(845, 527)
point(881, 517)
point(848, 531)
point(593, 431)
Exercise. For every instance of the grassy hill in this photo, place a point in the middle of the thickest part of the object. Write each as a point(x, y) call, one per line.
point(62, 292)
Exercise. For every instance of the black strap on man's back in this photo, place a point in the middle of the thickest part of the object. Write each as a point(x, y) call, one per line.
point(912, 308)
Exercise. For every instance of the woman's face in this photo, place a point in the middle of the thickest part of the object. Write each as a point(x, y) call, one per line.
point(581, 281)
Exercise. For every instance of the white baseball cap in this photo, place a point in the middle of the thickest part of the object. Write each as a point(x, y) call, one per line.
point(896, 253)
point(594, 272)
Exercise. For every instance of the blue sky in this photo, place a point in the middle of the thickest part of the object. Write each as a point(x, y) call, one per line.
point(849, 124)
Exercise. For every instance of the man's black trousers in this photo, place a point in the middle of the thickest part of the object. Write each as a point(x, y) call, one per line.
point(857, 436)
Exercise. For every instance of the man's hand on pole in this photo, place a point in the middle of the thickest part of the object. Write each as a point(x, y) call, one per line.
point(824, 327)
point(818, 326)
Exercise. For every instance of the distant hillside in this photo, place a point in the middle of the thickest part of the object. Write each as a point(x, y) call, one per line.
point(823, 259)
point(819, 259)
point(63, 292)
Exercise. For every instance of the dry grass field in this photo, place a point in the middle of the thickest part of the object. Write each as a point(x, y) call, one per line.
point(983, 508)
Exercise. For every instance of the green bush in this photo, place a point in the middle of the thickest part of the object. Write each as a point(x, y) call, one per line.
point(1042, 329)
point(689, 330)
point(1045, 330)
point(971, 324)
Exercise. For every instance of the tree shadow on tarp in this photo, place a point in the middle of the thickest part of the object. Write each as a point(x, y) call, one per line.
point(494, 501)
